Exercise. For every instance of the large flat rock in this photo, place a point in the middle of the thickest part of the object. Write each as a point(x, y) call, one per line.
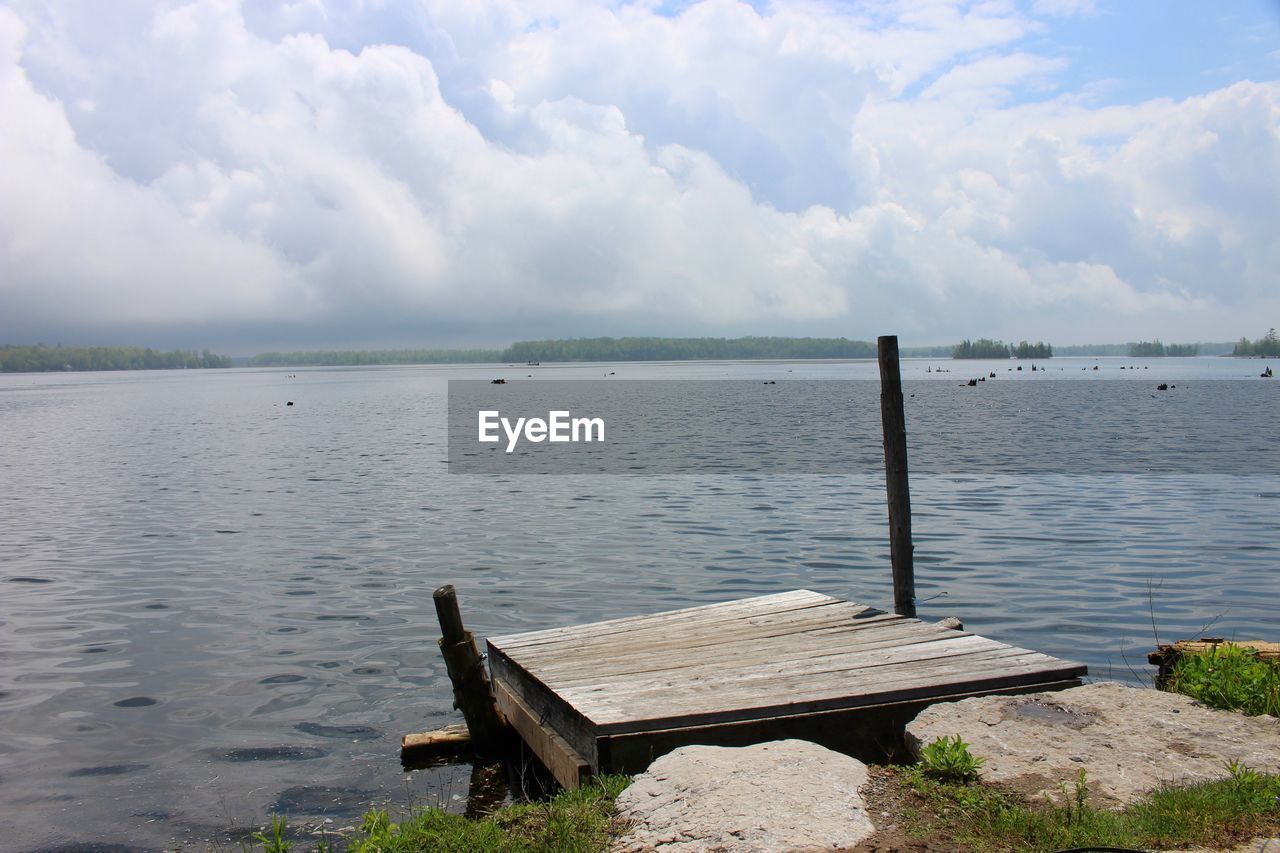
point(783, 795)
point(1129, 740)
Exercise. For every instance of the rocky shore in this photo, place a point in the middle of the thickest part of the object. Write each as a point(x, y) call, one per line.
point(795, 795)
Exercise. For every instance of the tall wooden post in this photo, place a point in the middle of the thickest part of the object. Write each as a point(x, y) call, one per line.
point(895, 470)
point(471, 692)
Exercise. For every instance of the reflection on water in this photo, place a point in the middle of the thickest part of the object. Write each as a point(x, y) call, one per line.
point(214, 606)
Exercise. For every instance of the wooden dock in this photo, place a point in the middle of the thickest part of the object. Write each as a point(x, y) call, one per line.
point(612, 696)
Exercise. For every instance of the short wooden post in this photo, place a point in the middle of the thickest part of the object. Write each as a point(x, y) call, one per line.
point(471, 691)
point(895, 469)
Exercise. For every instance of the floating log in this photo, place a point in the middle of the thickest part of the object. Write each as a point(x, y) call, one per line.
point(472, 694)
point(442, 743)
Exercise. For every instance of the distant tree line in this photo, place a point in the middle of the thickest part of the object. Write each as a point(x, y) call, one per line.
point(1037, 350)
point(1268, 345)
point(24, 359)
point(926, 352)
point(981, 348)
point(1184, 350)
point(333, 358)
point(1092, 349)
point(685, 349)
point(987, 348)
point(1155, 349)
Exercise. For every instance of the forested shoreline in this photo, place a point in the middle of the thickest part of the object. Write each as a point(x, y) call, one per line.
point(1267, 346)
point(352, 358)
point(987, 348)
point(39, 357)
point(1156, 349)
point(685, 349)
point(42, 358)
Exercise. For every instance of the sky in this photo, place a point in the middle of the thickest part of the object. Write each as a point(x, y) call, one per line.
point(320, 174)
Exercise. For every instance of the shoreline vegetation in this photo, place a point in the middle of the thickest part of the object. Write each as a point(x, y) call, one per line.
point(940, 803)
point(43, 358)
point(987, 348)
point(357, 358)
point(920, 808)
point(1267, 346)
point(568, 350)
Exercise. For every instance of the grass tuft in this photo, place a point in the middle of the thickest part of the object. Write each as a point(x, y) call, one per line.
point(276, 842)
point(1242, 805)
point(573, 821)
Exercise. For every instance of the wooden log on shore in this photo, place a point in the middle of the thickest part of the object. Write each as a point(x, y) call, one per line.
point(1167, 655)
point(895, 471)
point(472, 693)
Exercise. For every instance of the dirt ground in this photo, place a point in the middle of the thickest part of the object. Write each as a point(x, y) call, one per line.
point(887, 802)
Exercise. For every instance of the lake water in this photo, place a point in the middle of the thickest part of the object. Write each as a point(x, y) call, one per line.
point(214, 605)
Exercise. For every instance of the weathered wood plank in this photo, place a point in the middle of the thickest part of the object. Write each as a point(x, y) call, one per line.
point(709, 624)
point(836, 681)
point(776, 678)
point(763, 604)
point(864, 688)
point(735, 634)
point(780, 602)
point(828, 688)
point(861, 732)
point(568, 767)
point(693, 662)
point(722, 666)
point(769, 601)
point(741, 639)
point(546, 705)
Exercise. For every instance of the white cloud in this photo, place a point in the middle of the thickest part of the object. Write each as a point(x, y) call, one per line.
point(989, 81)
point(77, 239)
point(1065, 7)
point(528, 166)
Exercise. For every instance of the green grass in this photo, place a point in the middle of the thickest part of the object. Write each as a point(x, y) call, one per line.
point(578, 821)
point(1230, 677)
point(1240, 806)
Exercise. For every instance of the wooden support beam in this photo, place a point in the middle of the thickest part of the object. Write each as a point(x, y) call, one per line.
point(568, 767)
point(472, 694)
point(895, 469)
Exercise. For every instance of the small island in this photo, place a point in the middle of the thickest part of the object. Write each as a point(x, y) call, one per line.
point(1155, 349)
point(1267, 346)
point(987, 348)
